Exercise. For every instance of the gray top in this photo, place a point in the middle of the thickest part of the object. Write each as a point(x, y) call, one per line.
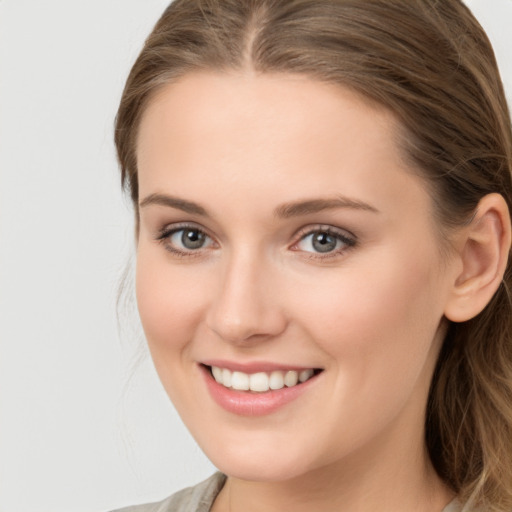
point(200, 498)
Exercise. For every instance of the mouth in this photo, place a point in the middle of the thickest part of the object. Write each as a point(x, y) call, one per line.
point(261, 381)
point(256, 389)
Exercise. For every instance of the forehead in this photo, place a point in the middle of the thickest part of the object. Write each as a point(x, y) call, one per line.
point(249, 132)
point(268, 109)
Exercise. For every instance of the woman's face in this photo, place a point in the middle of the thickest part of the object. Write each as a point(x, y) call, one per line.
point(282, 237)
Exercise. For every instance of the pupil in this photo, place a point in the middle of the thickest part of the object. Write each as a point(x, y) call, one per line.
point(192, 239)
point(323, 242)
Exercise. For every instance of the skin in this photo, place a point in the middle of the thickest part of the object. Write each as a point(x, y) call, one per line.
point(371, 314)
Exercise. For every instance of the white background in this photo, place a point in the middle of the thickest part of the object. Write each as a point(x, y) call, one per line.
point(81, 430)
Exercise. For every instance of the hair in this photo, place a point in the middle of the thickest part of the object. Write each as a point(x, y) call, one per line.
point(431, 64)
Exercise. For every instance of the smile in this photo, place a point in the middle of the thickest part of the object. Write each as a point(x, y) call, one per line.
point(256, 389)
point(260, 382)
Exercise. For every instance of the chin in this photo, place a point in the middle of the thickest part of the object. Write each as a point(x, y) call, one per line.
point(257, 463)
point(257, 472)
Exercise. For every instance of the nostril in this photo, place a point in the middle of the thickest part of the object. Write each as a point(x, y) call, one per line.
point(247, 332)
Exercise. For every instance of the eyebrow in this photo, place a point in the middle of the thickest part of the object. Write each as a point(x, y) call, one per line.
point(173, 202)
point(285, 211)
point(297, 208)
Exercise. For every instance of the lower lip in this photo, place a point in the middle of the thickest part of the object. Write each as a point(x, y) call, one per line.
point(246, 403)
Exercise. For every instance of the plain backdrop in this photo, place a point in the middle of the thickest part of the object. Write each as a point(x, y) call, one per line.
point(84, 423)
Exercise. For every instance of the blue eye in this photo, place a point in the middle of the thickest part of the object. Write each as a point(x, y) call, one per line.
point(324, 241)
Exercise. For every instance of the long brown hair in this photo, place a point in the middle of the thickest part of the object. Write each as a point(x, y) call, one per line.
point(430, 63)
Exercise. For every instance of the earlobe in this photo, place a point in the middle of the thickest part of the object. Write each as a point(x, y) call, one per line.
point(484, 254)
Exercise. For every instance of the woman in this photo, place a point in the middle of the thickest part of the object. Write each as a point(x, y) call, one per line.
point(322, 194)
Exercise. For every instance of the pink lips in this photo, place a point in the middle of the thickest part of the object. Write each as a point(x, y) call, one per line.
point(246, 403)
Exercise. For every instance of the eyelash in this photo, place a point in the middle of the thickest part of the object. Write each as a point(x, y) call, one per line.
point(348, 240)
point(166, 233)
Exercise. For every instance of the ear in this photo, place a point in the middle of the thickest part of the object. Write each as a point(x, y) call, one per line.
point(484, 250)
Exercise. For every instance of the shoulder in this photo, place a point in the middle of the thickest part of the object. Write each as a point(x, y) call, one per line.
point(457, 506)
point(454, 506)
point(198, 498)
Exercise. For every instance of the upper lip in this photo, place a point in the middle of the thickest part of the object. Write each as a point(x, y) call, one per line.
point(256, 366)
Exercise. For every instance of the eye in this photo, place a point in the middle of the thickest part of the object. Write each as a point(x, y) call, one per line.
point(189, 239)
point(324, 241)
point(185, 239)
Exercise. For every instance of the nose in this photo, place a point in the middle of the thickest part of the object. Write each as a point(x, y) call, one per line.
point(246, 305)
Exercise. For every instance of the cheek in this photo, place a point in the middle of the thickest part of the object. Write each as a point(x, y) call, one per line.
point(377, 321)
point(170, 300)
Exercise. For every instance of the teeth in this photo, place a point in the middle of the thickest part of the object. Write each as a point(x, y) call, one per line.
point(240, 381)
point(226, 378)
point(217, 374)
point(291, 378)
point(276, 380)
point(260, 382)
point(304, 375)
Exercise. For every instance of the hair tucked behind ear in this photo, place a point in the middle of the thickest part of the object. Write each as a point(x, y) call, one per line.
point(430, 63)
